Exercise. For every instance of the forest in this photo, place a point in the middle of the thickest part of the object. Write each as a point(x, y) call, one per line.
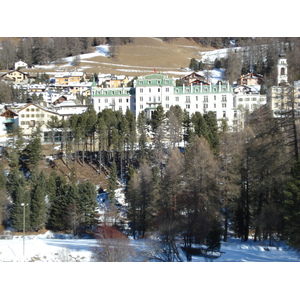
point(220, 183)
point(43, 50)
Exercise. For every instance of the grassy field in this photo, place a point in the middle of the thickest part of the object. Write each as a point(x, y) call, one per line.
point(140, 58)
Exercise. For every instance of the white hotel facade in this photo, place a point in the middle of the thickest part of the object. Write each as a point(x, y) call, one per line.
point(149, 91)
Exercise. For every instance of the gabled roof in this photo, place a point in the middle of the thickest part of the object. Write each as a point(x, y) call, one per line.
point(14, 71)
point(49, 110)
point(9, 113)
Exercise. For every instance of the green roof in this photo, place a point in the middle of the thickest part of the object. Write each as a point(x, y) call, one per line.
point(154, 80)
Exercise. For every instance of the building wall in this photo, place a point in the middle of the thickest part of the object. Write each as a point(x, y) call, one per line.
point(16, 76)
point(152, 90)
point(283, 98)
point(113, 98)
point(31, 116)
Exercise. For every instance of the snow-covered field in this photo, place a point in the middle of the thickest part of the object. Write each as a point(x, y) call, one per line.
point(274, 277)
point(50, 247)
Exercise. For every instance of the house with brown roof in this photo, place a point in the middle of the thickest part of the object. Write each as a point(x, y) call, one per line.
point(250, 79)
point(194, 79)
point(15, 76)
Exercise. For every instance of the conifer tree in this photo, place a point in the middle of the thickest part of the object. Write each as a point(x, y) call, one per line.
point(38, 204)
point(292, 208)
point(19, 195)
point(87, 204)
point(112, 182)
point(4, 202)
point(133, 199)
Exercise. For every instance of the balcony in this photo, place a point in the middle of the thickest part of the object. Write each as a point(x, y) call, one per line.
point(8, 121)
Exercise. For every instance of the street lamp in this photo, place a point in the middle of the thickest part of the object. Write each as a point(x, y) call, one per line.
point(23, 204)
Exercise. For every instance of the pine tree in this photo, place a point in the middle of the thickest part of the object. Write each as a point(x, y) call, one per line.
point(292, 208)
point(38, 204)
point(34, 149)
point(4, 202)
point(133, 199)
point(87, 204)
point(112, 182)
point(19, 195)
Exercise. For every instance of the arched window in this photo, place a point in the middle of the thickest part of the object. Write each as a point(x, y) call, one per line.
point(282, 71)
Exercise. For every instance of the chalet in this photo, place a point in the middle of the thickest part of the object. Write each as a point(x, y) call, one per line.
point(20, 64)
point(113, 81)
point(67, 78)
point(8, 119)
point(37, 88)
point(195, 79)
point(15, 76)
point(250, 79)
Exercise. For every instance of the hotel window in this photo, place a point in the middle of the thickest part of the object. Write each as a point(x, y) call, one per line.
point(106, 100)
point(141, 99)
point(187, 99)
point(167, 90)
point(196, 98)
point(158, 89)
point(167, 98)
point(177, 99)
point(149, 90)
point(120, 100)
point(205, 99)
point(224, 99)
point(167, 105)
point(141, 90)
point(187, 106)
point(98, 100)
point(141, 106)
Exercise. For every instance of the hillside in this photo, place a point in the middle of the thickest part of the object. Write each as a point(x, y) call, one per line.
point(138, 58)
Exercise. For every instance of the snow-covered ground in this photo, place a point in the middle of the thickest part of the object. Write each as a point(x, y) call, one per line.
point(50, 247)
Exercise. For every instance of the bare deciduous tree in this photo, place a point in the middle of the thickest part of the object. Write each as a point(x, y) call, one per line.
point(113, 246)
